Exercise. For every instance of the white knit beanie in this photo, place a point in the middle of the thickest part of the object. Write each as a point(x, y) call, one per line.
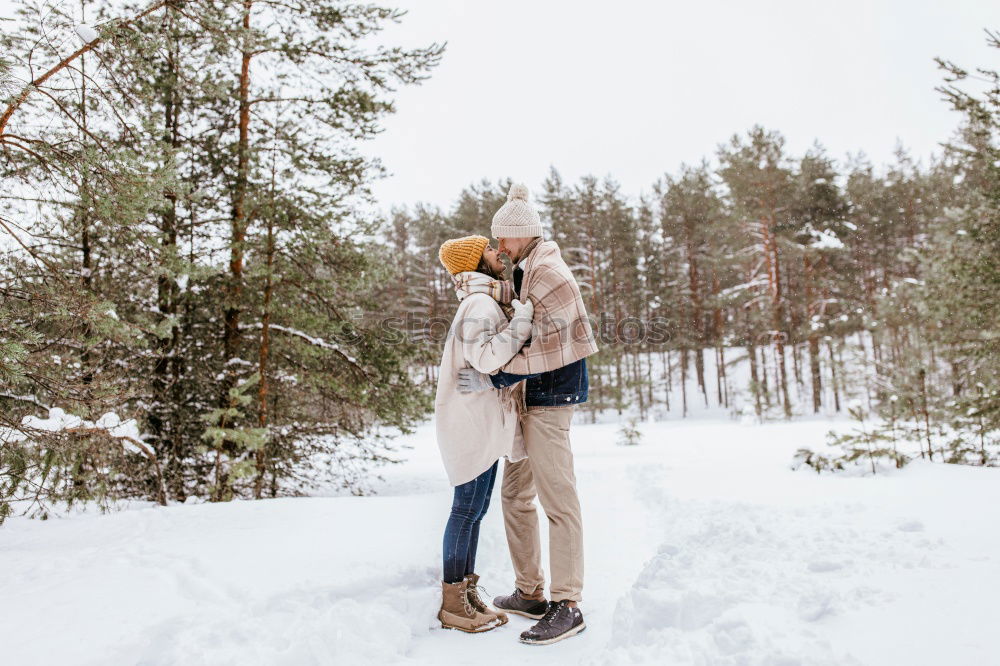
point(517, 218)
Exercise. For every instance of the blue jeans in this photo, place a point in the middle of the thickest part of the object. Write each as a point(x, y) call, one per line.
point(461, 536)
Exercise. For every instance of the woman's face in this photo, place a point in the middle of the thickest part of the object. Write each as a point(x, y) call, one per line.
point(492, 259)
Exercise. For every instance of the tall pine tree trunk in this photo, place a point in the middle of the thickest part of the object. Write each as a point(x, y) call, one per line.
point(231, 337)
point(777, 314)
point(684, 367)
point(699, 365)
point(720, 375)
point(720, 370)
point(797, 367)
point(925, 413)
point(263, 386)
point(668, 376)
point(764, 385)
point(238, 229)
point(647, 359)
point(813, 339)
point(620, 393)
point(637, 380)
point(166, 369)
point(814, 371)
point(695, 320)
point(833, 376)
point(87, 266)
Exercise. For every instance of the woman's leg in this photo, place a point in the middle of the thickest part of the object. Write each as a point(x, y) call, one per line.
point(470, 562)
point(466, 507)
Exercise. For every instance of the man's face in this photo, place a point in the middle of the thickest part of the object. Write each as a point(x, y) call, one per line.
point(502, 247)
point(511, 247)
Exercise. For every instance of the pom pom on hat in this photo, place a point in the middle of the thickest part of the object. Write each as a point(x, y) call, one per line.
point(518, 191)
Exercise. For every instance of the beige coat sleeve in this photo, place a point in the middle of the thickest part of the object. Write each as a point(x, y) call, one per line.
point(488, 341)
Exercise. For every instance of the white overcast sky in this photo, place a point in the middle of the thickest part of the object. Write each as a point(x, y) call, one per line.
point(633, 88)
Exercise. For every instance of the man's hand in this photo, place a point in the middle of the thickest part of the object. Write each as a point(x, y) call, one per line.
point(520, 323)
point(471, 380)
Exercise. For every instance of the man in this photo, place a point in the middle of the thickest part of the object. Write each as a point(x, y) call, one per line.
point(554, 367)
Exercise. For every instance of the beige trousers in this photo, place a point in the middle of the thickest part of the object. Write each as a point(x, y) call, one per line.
point(548, 473)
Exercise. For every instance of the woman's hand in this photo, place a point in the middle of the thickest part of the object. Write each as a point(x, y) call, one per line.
point(523, 308)
point(471, 380)
point(520, 323)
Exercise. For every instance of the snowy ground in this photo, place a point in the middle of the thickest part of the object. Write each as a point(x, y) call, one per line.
point(703, 547)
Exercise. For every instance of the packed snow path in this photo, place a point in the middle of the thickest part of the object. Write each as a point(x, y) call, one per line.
point(702, 548)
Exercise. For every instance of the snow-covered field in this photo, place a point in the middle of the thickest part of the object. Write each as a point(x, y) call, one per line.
point(703, 547)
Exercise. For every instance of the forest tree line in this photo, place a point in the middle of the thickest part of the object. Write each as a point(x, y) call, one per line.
point(195, 285)
point(186, 236)
point(779, 281)
point(844, 287)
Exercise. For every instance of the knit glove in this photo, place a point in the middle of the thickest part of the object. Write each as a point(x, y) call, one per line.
point(471, 380)
point(520, 323)
point(502, 291)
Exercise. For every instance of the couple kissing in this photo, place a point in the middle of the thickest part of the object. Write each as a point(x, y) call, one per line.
point(513, 369)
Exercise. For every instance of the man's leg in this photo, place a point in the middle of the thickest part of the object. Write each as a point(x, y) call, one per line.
point(520, 520)
point(546, 438)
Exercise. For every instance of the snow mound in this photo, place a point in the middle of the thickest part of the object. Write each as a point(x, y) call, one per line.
point(752, 584)
point(372, 622)
point(679, 613)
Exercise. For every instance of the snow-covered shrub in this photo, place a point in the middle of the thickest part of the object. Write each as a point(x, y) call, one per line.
point(868, 444)
point(63, 459)
point(628, 432)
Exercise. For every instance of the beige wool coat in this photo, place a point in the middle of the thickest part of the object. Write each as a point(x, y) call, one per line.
point(474, 430)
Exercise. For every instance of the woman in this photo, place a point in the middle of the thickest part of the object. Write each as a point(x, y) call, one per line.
point(474, 430)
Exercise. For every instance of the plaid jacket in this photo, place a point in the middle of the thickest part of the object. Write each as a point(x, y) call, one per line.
point(561, 332)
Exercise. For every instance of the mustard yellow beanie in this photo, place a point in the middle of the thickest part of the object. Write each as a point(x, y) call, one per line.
point(462, 254)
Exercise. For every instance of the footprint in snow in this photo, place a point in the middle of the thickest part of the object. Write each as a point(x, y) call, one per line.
point(823, 566)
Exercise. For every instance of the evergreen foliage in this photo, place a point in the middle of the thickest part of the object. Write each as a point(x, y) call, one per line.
point(837, 284)
point(186, 243)
point(938, 384)
point(187, 247)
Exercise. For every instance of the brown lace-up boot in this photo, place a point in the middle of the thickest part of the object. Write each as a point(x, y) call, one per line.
point(458, 613)
point(473, 591)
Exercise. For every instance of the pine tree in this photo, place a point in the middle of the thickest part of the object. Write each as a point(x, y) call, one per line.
point(759, 185)
point(964, 273)
point(158, 156)
point(819, 216)
point(690, 214)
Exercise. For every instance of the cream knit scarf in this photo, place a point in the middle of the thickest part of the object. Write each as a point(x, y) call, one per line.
point(472, 282)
